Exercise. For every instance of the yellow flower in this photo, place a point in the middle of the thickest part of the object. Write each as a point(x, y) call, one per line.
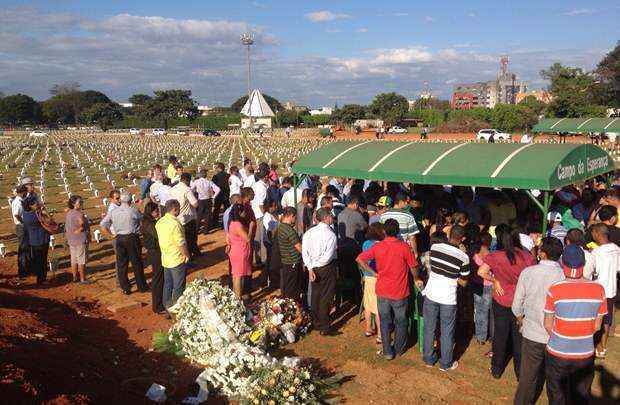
point(285, 394)
point(264, 392)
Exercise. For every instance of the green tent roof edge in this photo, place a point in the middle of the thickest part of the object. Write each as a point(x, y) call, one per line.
point(513, 165)
point(578, 125)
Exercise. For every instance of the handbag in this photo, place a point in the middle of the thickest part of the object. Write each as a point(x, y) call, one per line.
point(48, 223)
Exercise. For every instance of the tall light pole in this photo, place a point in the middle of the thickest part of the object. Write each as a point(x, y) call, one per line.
point(247, 39)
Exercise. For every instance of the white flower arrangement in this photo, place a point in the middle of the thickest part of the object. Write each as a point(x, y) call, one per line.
point(211, 329)
point(208, 318)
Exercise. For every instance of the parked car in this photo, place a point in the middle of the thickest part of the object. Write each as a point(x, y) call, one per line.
point(134, 131)
point(492, 135)
point(38, 132)
point(159, 131)
point(211, 132)
point(397, 130)
point(182, 131)
point(612, 136)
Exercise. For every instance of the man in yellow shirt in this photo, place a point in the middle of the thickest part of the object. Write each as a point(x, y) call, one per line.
point(174, 253)
point(171, 170)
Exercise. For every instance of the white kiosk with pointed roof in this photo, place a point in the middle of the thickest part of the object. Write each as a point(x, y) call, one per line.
point(257, 111)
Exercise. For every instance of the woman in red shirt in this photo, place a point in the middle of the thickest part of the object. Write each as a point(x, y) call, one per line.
point(503, 268)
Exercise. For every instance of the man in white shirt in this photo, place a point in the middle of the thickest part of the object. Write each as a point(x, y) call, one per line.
point(187, 213)
point(319, 256)
point(23, 248)
point(206, 191)
point(606, 265)
point(244, 172)
point(234, 181)
point(260, 195)
point(288, 198)
point(250, 179)
point(162, 194)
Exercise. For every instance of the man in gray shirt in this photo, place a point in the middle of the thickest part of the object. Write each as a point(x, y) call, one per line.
point(126, 222)
point(351, 227)
point(528, 305)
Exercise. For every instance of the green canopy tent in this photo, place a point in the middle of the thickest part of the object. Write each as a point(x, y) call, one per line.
point(539, 166)
point(577, 125)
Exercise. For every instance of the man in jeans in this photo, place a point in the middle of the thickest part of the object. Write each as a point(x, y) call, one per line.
point(393, 261)
point(449, 268)
point(574, 311)
point(528, 306)
point(174, 253)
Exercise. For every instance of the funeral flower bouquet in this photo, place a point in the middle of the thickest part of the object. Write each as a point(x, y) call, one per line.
point(210, 329)
point(278, 321)
point(208, 318)
point(289, 382)
point(233, 368)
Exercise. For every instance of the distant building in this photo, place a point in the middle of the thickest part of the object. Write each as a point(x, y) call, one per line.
point(502, 90)
point(204, 109)
point(292, 106)
point(322, 111)
point(541, 95)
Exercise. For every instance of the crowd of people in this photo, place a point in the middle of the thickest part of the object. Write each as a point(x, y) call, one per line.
point(470, 258)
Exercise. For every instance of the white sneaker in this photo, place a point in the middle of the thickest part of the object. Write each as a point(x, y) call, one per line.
point(454, 365)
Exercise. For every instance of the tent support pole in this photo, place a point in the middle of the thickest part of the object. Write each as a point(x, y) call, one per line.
point(547, 201)
point(534, 200)
point(544, 207)
point(295, 185)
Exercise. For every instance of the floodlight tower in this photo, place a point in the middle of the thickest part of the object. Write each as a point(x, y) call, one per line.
point(247, 39)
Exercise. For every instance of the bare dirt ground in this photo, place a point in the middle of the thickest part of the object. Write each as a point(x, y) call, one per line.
point(59, 344)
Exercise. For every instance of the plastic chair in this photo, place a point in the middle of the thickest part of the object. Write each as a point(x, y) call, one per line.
point(416, 317)
point(346, 285)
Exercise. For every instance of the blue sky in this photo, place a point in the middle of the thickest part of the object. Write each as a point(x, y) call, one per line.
point(312, 52)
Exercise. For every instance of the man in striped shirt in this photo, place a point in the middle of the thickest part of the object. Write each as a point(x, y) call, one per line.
point(406, 221)
point(556, 229)
point(449, 269)
point(574, 311)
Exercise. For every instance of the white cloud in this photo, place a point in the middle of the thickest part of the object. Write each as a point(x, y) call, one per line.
point(259, 5)
point(430, 19)
point(402, 55)
point(471, 15)
point(579, 11)
point(362, 30)
point(126, 54)
point(325, 15)
point(333, 30)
